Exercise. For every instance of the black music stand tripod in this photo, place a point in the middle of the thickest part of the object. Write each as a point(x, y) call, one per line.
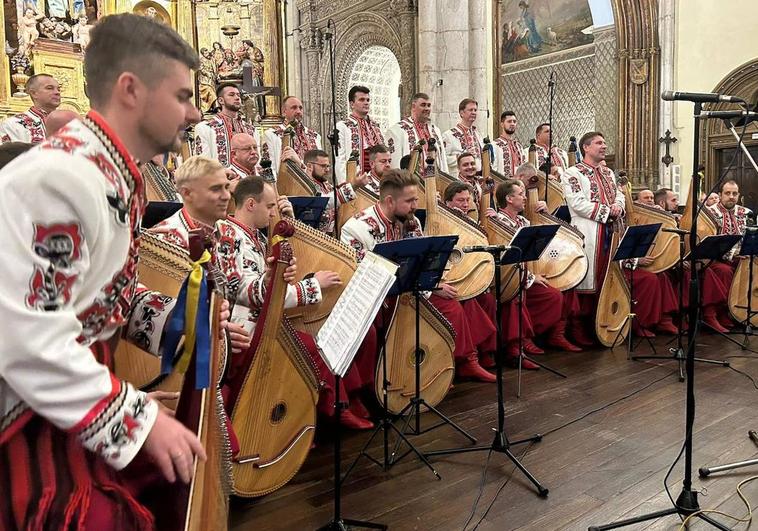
point(635, 244)
point(677, 352)
point(421, 264)
point(501, 444)
point(527, 245)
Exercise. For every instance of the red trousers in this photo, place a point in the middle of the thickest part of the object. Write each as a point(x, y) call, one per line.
point(717, 279)
point(647, 296)
point(473, 327)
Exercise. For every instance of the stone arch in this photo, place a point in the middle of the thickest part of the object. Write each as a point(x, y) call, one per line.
point(378, 69)
point(742, 82)
point(365, 30)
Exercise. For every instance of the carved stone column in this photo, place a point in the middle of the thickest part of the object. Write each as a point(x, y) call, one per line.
point(639, 72)
point(405, 11)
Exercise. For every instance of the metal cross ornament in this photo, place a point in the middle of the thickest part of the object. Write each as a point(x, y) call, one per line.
point(668, 140)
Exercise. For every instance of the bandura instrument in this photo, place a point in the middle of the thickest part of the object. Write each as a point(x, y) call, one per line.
point(564, 263)
point(163, 268)
point(555, 196)
point(706, 222)
point(470, 273)
point(273, 402)
point(738, 291)
point(437, 362)
point(204, 503)
point(498, 233)
point(292, 179)
point(665, 248)
point(613, 306)
point(571, 151)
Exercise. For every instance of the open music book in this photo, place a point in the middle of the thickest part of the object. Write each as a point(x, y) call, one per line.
point(343, 331)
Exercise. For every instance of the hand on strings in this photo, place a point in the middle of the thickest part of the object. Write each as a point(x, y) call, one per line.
point(289, 272)
point(615, 211)
point(540, 206)
point(238, 337)
point(446, 291)
point(361, 180)
point(327, 279)
point(490, 213)
point(541, 280)
point(285, 207)
point(160, 397)
point(555, 174)
point(645, 261)
point(173, 448)
point(289, 153)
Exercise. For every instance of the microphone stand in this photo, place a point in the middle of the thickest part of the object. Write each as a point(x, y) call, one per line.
point(686, 504)
point(551, 96)
point(333, 136)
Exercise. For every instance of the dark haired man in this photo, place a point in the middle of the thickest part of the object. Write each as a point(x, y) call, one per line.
point(403, 136)
point(380, 161)
point(358, 132)
point(509, 153)
point(304, 139)
point(392, 218)
point(65, 419)
point(29, 126)
point(558, 159)
point(464, 137)
point(213, 137)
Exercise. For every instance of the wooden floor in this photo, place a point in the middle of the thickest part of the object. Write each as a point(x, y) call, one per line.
point(609, 465)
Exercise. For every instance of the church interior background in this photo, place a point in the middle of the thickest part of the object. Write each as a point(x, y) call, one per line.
point(611, 59)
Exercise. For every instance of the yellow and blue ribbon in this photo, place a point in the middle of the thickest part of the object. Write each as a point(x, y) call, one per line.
point(191, 319)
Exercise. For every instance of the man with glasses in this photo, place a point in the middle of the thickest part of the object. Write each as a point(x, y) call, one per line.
point(318, 168)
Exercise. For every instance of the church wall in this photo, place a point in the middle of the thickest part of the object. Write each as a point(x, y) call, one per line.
point(711, 40)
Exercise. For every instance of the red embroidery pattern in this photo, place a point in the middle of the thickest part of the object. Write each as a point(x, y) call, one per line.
point(60, 245)
point(513, 155)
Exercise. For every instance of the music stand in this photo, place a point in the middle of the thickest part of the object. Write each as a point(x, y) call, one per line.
point(422, 262)
point(309, 209)
point(157, 211)
point(635, 243)
point(527, 245)
point(501, 443)
point(749, 250)
point(562, 213)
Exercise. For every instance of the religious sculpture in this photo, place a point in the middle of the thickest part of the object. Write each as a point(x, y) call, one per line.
point(27, 30)
point(81, 31)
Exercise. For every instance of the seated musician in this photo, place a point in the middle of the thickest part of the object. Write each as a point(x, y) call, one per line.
point(666, 279)
point(392, 219)
point(241, 254)
point(667, 199)
point(244, 156)
point(481, 308)
point(467, 173)
point(547, 308)
point(731, 218)
point(204, 187)
point(318, 168)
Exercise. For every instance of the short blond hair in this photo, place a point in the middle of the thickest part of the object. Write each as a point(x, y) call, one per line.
point(194, 167)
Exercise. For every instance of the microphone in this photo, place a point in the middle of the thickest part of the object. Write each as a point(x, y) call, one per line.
point(485, 248)
point(676, 231)
point(699, 97)
point(727, 115)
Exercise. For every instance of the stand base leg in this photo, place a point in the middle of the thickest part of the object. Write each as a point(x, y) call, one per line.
point(686, 504)
point(345, 524)
point(501, 445)
point(704, 472)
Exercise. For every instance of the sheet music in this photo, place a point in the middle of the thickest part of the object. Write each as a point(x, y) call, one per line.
point(343, 331)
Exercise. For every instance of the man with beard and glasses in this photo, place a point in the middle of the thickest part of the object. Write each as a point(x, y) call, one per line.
point(357, 133)
point(213, 137)
point(72, 210)
point(403, 136)
point(392, 218)
point(509, 153)
point(304, 140)
point(318, 168)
